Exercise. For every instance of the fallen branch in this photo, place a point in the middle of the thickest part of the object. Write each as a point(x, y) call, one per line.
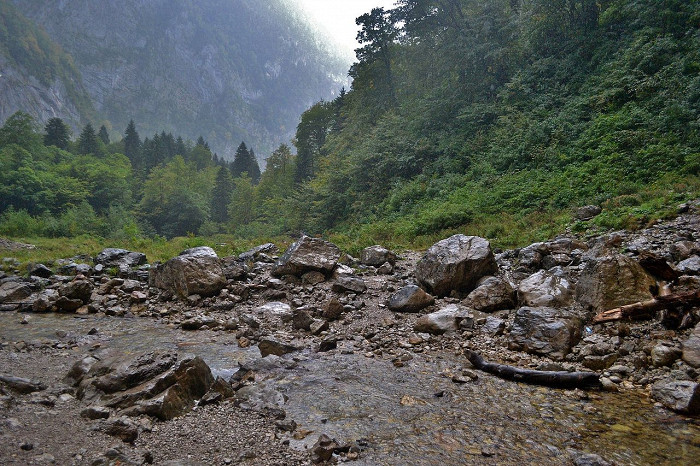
point(647, 309)
point(557, 379)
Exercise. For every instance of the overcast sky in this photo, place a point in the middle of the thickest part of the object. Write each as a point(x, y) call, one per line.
point(337, 17)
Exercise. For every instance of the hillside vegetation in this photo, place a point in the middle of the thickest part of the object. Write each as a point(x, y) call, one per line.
point(496, 118)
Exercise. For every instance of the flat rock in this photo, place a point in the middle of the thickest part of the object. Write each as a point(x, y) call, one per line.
point(445, 320)
point(456, 263)
point(346, 284)
point(12, 292)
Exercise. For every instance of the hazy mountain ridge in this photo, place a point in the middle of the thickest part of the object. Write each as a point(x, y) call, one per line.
point(229, 70)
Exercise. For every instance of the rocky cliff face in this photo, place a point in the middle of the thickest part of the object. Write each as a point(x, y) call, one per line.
point(228, 70)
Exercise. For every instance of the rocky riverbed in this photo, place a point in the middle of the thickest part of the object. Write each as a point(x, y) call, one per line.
point(314, 356)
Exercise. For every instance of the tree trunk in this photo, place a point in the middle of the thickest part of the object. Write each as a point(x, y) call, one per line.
point(647, 309)
point(557, 379)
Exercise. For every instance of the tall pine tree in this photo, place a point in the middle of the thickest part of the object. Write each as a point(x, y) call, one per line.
point(103, 135)
point(132, 146)
point(57, 133)
point(87, 142)
point(244, 162)
point(221, 195)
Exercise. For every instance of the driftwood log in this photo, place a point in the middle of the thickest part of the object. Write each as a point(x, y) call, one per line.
point(647, 309)
point(557, 379)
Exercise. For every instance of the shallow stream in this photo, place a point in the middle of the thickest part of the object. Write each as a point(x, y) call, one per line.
point(408, 415)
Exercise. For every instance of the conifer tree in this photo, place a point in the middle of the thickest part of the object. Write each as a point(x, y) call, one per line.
point(87, 142)
point(221, 195)
point(132, 145)
point(103, 135)
point(57, 133)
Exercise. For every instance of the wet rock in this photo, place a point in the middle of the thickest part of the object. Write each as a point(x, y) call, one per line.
point(21, 385)
point(665, 354)
point(456, 263)
point(96, 412)
point(39, 270)
point(598, 363)
point(197, 272)
point(530, 257)
point(234, 268)
point(116, 373)
point(545, 289)
point(313, 278)
point(588, 212)
point(12, 292)
point(546, 331)
point(681, 395)
point(491, 294)
point(376, 256)
point(68, 305)
point(308, 254)
point(410, 298)
point(302, 320)
point(328, 344)
point(445, 320)
point(318, 326)
point(198, 322)
point(682, 250)
point(580, 458)
point(385, 269)
point(43, 301)
point(323, 449)
point(691, 348)
point(80, 288)
point(79, 370)
point(690, 266)
point(123, 428)
point(112, 257)
point(269, 346)
point(349, 285)
point(611, 281)
point(276, 310)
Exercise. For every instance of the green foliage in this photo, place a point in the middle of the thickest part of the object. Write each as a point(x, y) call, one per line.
point(57, 133)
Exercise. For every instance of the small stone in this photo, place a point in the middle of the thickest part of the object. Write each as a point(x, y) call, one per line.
point(243, 342)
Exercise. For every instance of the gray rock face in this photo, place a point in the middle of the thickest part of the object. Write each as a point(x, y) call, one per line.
point(445, 320)
point(691, 348)
point(456, 263)
point(679, 395)
point(12, 292)
point(157, 384)
point(690, 266)
point(377, 256)
point(200, 273)
point(544, 289)
point(491, 294)
point(410, 298)
point(612, 281)
point(306, 255)
point(113, 257)
point(545, 331)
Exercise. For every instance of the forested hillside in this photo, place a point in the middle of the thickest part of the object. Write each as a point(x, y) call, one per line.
point(229, 70)
point(496, 118)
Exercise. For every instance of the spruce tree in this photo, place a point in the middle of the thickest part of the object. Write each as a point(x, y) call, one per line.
point(87, 142)
point(240, 161)
point(221, 195)
point(253, 167)
point(132, 145)
point(57, 133)
point(103, 135)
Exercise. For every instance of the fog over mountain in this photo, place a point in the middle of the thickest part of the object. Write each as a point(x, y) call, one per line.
point(229, 70)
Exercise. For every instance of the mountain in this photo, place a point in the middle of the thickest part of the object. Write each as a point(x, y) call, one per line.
point(228, 70)
point(36, 75)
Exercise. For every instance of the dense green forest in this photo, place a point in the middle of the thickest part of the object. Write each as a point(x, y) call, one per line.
point(494, 117)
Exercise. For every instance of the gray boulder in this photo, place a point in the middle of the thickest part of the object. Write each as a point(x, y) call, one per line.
point(491, 294)
point(410, 298)
point(346, 284)
point(256, 252)
point(456, 263)
point(690, 266)
point(195, 271)
point(544, 289)
point(376, 256)
point(13, 292)
point(306, 255)
point(39, 270)
point(588, 212)
point(268, 346)
point(113, 257)
point(445, 320)
point(546, 331)
point(679, 395)
point(664, 354)
point(611, 281)
point(691, 348)
point(77, 289)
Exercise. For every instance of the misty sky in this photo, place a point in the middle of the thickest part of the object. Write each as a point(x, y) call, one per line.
point(337, 17)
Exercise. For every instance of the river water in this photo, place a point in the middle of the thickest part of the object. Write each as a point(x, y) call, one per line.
point(408, 415)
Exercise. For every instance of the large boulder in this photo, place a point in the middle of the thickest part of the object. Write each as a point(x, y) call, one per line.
point(79, 288)
point(113, 257)
point(306, 255)
point(545, 331)
point(195, 271)
point(611, 281)
point(491, 294)
point(13, 292)
point(377, 256)
point(691, 348)
point(410, 298)
point(456, 263)
point(545, 289)
point(679, 395)
point(158, 384)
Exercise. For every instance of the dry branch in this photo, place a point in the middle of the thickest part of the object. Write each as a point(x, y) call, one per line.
point(647, 309)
